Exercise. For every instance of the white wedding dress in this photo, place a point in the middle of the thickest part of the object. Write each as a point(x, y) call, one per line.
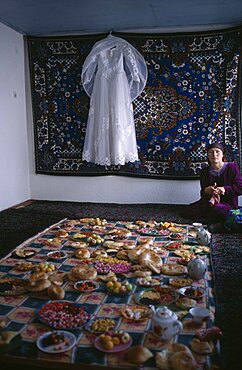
point(113, 75)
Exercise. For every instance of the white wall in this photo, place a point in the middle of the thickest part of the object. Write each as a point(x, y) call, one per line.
point(14, 162)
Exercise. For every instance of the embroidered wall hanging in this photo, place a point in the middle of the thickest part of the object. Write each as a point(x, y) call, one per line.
point(192, 98)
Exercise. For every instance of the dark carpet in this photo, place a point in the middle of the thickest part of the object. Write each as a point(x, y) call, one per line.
point(17, 225)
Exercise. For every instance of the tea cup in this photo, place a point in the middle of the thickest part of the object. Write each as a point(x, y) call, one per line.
point(199, 314)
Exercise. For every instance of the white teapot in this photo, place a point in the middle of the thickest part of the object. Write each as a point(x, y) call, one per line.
point(196, 268)
point(203, 237)
point(165, 323)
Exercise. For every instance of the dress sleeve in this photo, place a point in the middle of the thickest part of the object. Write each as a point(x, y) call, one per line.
point(88, 73)
point(234, 177)
point(136, 70)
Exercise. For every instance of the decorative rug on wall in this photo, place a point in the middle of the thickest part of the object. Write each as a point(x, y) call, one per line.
point(192, 97)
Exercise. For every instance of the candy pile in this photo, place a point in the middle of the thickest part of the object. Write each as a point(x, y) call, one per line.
point(61, 315)
point(105, 265)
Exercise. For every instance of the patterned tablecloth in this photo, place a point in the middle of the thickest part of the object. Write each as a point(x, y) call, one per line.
point(19, 311)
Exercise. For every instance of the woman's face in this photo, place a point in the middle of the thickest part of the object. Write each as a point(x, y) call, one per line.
point(215, 156)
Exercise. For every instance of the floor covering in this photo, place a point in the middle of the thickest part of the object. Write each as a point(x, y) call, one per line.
point(20, 223)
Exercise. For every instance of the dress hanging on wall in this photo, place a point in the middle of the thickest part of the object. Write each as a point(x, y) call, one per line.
point(113, 75)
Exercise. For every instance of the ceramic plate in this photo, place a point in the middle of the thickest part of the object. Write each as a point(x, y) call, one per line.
point(69, 342)
point(121, 347)
point(192, 292)
point(86, 286)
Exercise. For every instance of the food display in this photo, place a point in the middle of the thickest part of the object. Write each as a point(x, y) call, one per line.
point(24, 266)
point(24, 253)
point(113, 341)
point(100, 325)
point(135, 313)
point(55, 255)
point(163, 295)
point(63, 315)
point(45, 267)
point(180, 282)
point(100, 281)
point(56, 341)
point(148, 281)
point(173, 269)
point(86, 286)
point(192, 292)
point(13, 286)
point(118, 287)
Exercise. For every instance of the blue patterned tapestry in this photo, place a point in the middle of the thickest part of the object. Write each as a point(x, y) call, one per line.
point(192, 97)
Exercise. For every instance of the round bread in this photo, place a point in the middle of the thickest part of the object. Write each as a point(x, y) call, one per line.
point(99, 252)
point(56, 280)
point(62, 234)
point(38, 285)
point(151, 260)
point(38, 276)
point(200, 347)
point(55, 292)
point(173, 269)
point(82, 272)
point(129, 246)
point(183, 360)
point(123, 255)
point(138, 354)
point(133, 255)
point(82, 253)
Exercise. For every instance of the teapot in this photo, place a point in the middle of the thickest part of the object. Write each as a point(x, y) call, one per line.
point(203, 237)
point(196, 268)
point(165, 323)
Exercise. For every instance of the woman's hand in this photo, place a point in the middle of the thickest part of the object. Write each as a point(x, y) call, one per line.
point(219, 190)
point(210, 190)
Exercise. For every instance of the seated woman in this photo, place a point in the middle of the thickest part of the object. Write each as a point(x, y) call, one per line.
point(221, 184)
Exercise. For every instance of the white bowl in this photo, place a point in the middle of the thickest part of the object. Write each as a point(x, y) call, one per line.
point(199, 314)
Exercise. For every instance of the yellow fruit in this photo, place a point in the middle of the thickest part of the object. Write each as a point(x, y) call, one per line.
point(110, 284)
point(117, 284)
point(116, 341)
point(108, 345)
point(116, 290)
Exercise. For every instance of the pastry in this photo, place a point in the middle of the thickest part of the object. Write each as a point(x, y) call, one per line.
point(183, 360)
point(186, 303)
point(151, 260)
point(180, 282)
point(99, 252)
point(173, 269)
point(38, 285)
point(138, 355)
point(38, 276)
point(200, 347)
point(6, 337)
point(62, 234)
point(162, 359)
point(82, 253)
point(55, 292)
point(77, 244)
point(82, 272)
